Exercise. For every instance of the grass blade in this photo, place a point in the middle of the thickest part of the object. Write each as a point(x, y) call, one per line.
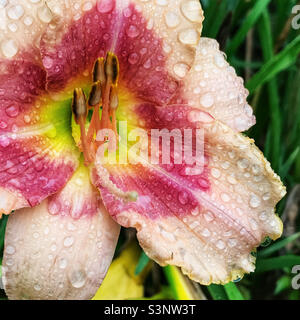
point(249, 22)
point(270, 264)
point(278, 63)
point(233, 292)
point(217, 292)
point(277, 246)
point(142, 264)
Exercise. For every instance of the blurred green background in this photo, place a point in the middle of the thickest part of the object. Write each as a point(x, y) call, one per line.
point(260, 43)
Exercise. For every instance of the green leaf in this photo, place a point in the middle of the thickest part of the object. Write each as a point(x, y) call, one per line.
point(180, 284)
point(282, 284)
point(287, 261)
point(290, 162)
point(233, 292)
point(248, 23)
point(278, 63)
point(265, 34)
point(217, 292)
point(277, 246)
point(142, 264)
point(219, 16)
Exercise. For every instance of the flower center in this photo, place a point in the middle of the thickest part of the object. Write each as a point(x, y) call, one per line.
point(103, 100)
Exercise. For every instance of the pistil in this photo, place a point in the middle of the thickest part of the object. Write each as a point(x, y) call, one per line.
point(104, 94)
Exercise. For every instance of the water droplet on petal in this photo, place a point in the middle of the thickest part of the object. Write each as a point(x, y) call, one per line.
point(181, 69)
point(105, 6)
point(133, 58)
point(78, 278)
point(68, 242)
point(10, 250)
point(9, 48)
point(220, 245)
point(47, 62)
point(63, 263)
point(207, 100)
point(191, 10)
point(132, 31)
point(254, 201)
point(15, 12)
point(172, 19)
point(37, 287)
point(183, 198)
point(189, 36)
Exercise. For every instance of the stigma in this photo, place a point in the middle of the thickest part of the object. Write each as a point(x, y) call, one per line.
point(102, 100)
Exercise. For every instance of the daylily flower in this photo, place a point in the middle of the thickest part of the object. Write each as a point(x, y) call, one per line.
point(140, 61)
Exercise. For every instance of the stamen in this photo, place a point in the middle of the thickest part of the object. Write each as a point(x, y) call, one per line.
point(114, 99)
point(114, 103)
point(98, 71)
point(104, 92)
point(80, 111)
point(79, 105)
point(112, 68)
point(96, 94)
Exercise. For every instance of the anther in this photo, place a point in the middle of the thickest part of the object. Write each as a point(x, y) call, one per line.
point(112, 68)
point(80, 111)
point(95, 94)
point(114, 99)
point(98, 71)
point(79, 106)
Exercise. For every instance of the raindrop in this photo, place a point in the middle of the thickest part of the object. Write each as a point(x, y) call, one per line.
point(3, 125)
point(37, 287)
point(207, 100)
point(266, 242)
point(254, 201)
point(68, 242)
point(15, 12)
point(181, 69)
point(183, 198)
point(45, 14)
point(105, 6)
point(172, 19)
point(133, 58)
point(189, 36)
point(10, 250)
point(47, 62)
point(191, 10)
point(9, 48)
point(63, 263)
point(220, 245)
point(132, 31)
point(147, 64)
point(78, 279)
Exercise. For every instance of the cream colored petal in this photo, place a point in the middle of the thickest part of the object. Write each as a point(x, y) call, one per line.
point(21, 26)
point(63, 253)
point(230, 212)
point(179, 24)
point(213, 86)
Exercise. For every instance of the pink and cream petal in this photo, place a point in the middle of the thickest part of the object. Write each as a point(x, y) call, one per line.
point(62, 248)
point(207, 223)
point(38, 154)
point(154, 41)
point(213, 86)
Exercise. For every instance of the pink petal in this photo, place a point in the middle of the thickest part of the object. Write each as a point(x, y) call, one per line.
point(213, 86)
point(62, 254)
point(154, 43)
point(207, 223)
point(35, 160)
